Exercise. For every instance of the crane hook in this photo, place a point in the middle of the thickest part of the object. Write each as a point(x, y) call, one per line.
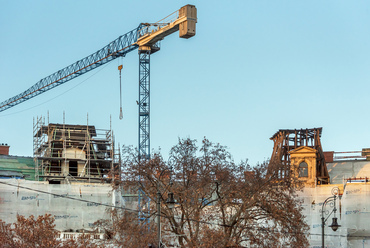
point(120, 93)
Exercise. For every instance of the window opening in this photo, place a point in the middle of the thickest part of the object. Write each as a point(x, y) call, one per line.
point(303, 169)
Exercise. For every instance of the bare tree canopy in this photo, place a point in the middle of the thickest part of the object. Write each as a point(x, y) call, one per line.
point(38, 232)
point(219, 203)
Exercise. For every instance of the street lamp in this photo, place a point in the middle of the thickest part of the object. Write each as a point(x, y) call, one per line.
point(170, 204)
point(332, 199)
point(170, 201)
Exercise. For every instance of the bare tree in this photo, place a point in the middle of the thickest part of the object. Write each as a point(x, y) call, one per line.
point(30, 232)
point(37, 232)
point(218, 203)
point(126, 230)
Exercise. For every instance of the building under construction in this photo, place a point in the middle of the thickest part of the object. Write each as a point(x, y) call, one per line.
point(300, 149)
point(65, 152)
point(69, 177)
point(298, 153)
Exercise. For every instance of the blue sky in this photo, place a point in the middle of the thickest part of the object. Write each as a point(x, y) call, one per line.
point(254, 67)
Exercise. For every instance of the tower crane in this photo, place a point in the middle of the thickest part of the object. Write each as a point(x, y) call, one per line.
point(145, 38)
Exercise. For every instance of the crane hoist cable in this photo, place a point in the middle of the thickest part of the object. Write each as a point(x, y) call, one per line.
point(120, 93)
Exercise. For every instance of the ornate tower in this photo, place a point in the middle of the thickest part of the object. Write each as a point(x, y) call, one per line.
point(299, 153)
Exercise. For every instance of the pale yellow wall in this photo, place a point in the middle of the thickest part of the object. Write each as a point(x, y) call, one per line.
point(65, 168)
point(74, 153)
point(80, 168)
point(308, 155)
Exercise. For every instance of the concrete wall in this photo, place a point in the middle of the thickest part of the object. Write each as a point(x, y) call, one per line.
point(353, 209)
point(69, 214)
point(346, 169)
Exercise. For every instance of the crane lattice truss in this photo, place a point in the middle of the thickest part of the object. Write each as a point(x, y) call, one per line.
point(144, 102)
point(286, 140)
point(145, 38)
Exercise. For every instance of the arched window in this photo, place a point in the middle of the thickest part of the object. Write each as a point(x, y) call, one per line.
point(303, 169)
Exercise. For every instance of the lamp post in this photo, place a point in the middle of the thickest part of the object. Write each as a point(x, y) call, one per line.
point(332, 200)
point(170, 204)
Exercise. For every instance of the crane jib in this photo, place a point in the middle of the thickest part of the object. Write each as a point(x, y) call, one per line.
point(118, 48)
point(145, 36)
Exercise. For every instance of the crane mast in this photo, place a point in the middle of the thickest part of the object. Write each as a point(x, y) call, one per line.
point(145, 38)
point(183, 20)
point(144, 103)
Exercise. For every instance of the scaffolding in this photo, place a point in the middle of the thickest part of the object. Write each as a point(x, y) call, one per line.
point(286, 140)
point(65, 153)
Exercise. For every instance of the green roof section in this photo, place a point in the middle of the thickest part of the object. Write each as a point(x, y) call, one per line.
point(18, 165)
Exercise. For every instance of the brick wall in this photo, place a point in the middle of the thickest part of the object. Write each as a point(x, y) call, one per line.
point(4, 149)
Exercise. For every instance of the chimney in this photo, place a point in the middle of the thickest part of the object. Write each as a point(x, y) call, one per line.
point(4, 149)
